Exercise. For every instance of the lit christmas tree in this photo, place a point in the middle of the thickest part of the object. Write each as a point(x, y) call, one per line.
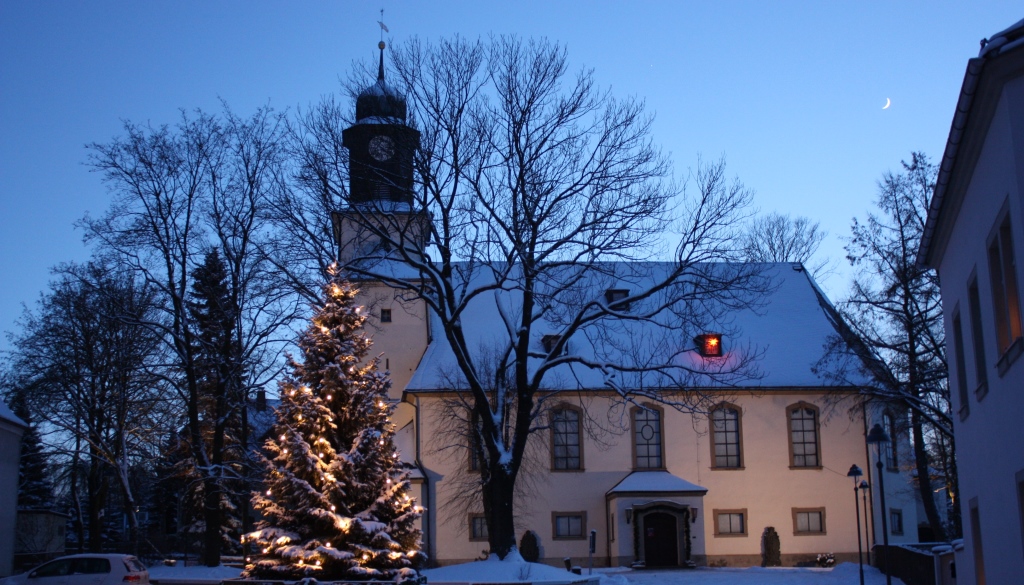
point(335, 503)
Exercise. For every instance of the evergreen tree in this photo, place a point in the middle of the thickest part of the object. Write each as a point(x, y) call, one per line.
point(335, 503)
point(211, 501)
point(34, 488)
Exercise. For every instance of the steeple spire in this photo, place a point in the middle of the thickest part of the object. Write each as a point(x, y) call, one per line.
point(380, 70)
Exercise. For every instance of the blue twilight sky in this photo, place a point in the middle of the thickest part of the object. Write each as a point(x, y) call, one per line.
point(790, 92)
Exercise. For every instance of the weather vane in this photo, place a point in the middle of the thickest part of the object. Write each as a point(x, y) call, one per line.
point(383, 27)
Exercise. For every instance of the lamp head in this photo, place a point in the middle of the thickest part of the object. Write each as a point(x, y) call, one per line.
point(877, 435)
point(864, 485)
point(854, 472)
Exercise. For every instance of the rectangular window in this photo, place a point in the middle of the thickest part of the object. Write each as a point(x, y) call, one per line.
point(477, 527)
point(647, 438)
point(895, 521)
point(808, 521)
point(803, 436)
point(613, 295)
point(725, 430)
point(569, 525)
point(730, 522)
point(565, 439)
point(1002, 268)
point(977, 340)
point(892, 448)
point(385, 315)
point(549, 341)
point(979, 553)
point(958, 362)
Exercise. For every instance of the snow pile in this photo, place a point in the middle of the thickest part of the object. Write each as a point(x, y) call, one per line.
point(843, 574)
point(197, 574)
point(512, 569)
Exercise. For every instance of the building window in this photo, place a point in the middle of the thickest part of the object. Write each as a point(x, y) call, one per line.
point(730, 522)
point(979, 552)
point(977, 340)
point(709, 345)
point(647, 443)
point(895, 521)
point(385, 315)
point(808, 521)
point(613, 295)
point(958, 362)
point(566, 446)
point(803, 436)
point(477, 527)
point(476, 451)
point(568, 525)
point(892, 449)
point(1005, 302)
point(549, 341)
point(725, 437)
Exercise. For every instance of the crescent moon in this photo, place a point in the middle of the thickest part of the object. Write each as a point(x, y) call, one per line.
point(888, 103)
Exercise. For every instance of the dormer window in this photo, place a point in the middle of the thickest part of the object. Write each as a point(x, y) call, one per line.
point(613, 295)
point(709, 345)
point(549, 342)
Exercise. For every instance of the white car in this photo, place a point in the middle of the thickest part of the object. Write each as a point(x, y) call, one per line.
point(85, 569)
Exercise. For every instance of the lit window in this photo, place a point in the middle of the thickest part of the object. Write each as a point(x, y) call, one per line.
point(565, 439)
point(569, 525)
point(385, 315)
point(803, 436)
point(1003, 272)
point(709, 344)
point(725, 431)
point(809, 520)
point(477, 527)
point(895, 521)
point(730, 522)
point(647, 438)
point(613, 295)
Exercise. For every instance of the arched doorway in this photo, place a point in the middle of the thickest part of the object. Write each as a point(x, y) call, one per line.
point(661, 539)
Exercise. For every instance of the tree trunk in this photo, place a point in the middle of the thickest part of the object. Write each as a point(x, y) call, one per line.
point(211, 514)
point(498, 491)
point(924, 480)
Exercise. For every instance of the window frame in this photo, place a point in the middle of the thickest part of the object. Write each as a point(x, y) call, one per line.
point(555, 515)
point(742, 512)
point(977, 338)
point(724, 407)
point(1005, 291)
point(613, 298)
point(817, 434)
point(892, 450)
point(660, 412)
point(959, 361)
point(796, 522)
point(579, 438)
point(473, 536)
point(896, 521)
point(385, 316)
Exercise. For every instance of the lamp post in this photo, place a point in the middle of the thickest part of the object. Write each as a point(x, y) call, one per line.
point(855, 473)
point(879, 438)
point(864, 487)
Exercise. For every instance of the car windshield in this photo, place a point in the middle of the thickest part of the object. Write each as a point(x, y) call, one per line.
point(90, 566)
point(133, 565)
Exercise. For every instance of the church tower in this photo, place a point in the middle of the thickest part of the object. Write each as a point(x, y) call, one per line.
point(381, 148)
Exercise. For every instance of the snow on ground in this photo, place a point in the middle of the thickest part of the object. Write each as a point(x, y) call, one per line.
point(495, 571)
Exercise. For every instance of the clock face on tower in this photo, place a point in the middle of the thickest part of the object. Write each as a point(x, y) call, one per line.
point(382, 148)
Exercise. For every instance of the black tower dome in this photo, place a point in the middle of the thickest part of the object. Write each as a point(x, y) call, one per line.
point(379, 100)
point(381, 147)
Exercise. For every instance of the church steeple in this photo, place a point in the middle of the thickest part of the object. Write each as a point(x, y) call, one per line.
point(381, 146)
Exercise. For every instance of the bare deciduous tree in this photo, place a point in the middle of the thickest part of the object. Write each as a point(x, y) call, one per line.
point(780, 238)
point(539, 190)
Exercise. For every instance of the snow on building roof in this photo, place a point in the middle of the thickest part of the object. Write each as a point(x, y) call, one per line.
point(655, 481)
point(8, 416)
point(785, 335)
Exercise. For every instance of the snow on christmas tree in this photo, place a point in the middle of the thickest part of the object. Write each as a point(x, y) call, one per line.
point(335, 503)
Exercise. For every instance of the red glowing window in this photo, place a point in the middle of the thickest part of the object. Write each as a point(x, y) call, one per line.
point(709, 344)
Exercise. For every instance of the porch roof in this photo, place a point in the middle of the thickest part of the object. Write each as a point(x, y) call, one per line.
point(655, 482)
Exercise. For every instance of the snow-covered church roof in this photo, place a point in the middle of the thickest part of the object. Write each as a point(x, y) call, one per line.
point(785, 335)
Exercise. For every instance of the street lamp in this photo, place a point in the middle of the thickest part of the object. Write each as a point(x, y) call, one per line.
point(864, 487)
point(878, 437)
point(855, 473)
